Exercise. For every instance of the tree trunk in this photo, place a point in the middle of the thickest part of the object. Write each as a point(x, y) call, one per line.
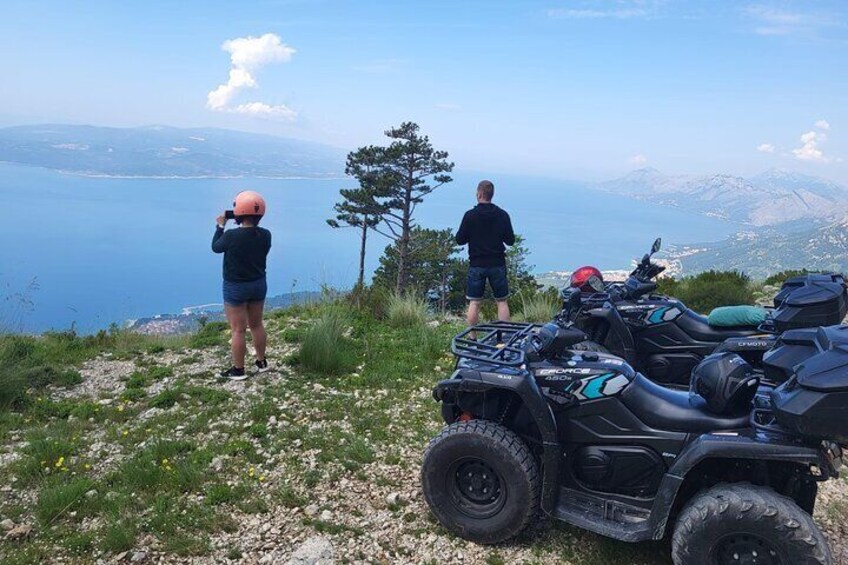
point(403, 248)
point(361, 281)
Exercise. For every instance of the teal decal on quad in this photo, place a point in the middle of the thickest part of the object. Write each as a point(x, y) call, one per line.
point(594, 386)
point(597, 386)
point(662, 314)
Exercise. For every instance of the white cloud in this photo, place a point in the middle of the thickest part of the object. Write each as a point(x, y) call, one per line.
point(823, 125)
point(252, 53)
point(620, 10)
point(638, 160)
point(247, 56)
point(775, 21)
point(809, 150)
point(221, 96)
point(765, 148)
point(262, 109)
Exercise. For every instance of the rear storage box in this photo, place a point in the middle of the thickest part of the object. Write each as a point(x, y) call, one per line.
point(814, 401)
point(809, 301)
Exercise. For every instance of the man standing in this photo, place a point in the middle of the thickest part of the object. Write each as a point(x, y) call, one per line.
point(486, 228)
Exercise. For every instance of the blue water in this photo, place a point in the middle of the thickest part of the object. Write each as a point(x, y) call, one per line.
point(106, 250)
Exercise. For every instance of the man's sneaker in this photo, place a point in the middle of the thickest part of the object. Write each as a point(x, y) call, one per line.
point(261, 365)
point(234, 374)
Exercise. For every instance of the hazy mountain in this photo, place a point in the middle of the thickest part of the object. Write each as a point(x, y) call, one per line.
point(768, 199)
point(761, 253)
point(159, 151)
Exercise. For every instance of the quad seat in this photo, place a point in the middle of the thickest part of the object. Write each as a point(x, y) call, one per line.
point(699, 328)
point(673, 410)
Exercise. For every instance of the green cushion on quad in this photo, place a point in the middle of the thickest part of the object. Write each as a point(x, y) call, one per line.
point(725, 316)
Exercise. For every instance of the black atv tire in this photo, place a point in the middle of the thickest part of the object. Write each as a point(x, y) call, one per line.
point(589, 345)
point(481, 481)
point(744, 523)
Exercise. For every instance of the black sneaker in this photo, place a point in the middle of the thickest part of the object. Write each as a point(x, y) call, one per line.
point(234, 374)
point(261, 365)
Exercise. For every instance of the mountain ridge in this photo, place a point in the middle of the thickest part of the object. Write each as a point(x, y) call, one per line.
point(165, 151)
point(770, 198)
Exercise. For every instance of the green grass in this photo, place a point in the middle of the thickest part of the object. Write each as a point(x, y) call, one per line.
point(212, 334)
point(325, 348)
point(539, 308)
point(30, 363)
point(406, 310)
point(55, 501)
point(118, 537)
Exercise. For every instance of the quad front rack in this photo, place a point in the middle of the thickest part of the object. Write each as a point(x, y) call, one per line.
point(500, 343)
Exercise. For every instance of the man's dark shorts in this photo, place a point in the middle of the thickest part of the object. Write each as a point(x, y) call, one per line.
point(477, 277)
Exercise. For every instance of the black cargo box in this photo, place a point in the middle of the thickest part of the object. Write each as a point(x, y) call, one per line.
point(809, 301)
point(814, 401)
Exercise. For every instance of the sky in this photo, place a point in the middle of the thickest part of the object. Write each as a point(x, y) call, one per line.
point(573, 89)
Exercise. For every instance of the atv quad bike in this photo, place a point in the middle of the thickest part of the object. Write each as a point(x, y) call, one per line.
point(665, 340)
point(533, 425)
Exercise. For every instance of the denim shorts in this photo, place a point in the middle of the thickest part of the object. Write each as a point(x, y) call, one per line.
point(477, 277)
point(238, 293)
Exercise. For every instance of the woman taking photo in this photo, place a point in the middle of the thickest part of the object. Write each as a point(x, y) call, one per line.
point(245, 250)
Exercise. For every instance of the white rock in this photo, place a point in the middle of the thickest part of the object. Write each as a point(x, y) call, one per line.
point(317, 550)
point(138, 557)
point(326, 516)
point(311, 510)
point(7, 524)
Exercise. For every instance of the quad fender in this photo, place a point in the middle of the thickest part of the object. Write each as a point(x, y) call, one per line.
point(748, 445)
point(617, 325)
point(775, 448)
point(524, 386)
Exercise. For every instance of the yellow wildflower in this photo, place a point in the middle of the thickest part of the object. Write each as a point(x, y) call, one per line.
point(60, 461)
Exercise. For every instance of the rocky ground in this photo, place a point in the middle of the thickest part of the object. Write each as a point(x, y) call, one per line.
point(282, 468)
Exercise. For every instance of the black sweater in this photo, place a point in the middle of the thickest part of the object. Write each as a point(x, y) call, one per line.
point(486, 228)
point(245, 250)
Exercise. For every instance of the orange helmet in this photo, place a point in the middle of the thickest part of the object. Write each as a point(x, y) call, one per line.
point(248, 203)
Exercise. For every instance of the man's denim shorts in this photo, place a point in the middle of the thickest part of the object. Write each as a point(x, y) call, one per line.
point(238, 293)
point(477, 277)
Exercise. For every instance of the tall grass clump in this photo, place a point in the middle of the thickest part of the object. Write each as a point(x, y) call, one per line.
point(406, 310)
point(325, 347)
point(539, 308)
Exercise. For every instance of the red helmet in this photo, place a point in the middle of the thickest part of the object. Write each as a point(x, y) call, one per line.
point(249, 203)
point(587, 279)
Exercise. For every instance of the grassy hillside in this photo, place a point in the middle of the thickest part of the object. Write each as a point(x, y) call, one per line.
point(129, 448)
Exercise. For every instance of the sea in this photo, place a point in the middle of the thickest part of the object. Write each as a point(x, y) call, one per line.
point(85, 252)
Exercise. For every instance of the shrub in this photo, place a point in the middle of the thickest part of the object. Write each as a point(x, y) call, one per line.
point(406, 310)
point(710, 289)
point(325, 348)
point(778, 279)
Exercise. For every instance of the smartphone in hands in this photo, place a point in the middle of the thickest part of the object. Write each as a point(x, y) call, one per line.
point(229, 215)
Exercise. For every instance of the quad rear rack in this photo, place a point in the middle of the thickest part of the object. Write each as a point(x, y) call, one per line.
point(499, 343)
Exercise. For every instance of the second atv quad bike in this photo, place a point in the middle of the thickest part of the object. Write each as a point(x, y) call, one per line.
point(664, 340)
point(534, 426)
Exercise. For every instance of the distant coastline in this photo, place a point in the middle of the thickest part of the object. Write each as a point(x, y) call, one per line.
point(93, 175)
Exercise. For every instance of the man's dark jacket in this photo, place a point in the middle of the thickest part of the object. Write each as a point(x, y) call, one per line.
point(486, 228)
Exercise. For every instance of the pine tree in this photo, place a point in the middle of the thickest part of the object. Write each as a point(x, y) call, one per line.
point(359, 207)
point(410, 170)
